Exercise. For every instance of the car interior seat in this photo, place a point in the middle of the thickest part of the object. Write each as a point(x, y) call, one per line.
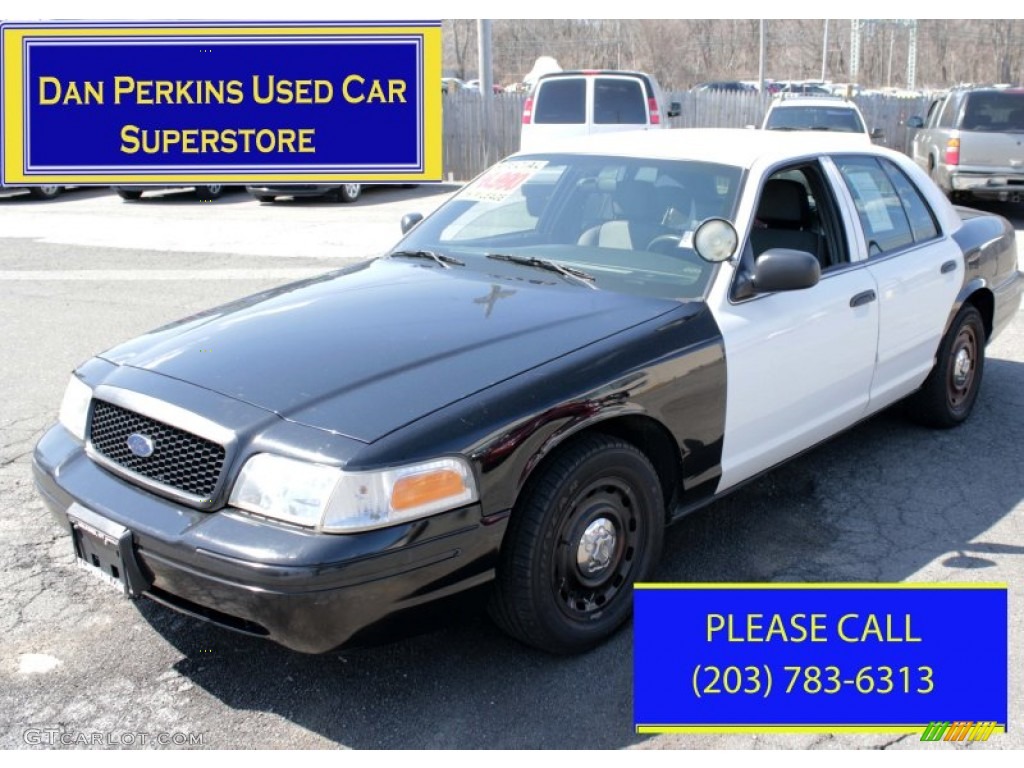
point(784, 219)
point(637, 219)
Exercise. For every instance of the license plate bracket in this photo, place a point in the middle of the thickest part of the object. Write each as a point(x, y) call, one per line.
point(105, 550)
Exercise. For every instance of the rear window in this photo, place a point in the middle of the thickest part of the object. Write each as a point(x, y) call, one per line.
point(561, 101)
point(814, 119)
point(617, 101)
point(998, 112)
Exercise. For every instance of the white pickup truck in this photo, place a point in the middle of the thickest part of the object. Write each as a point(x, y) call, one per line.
point(972, 143)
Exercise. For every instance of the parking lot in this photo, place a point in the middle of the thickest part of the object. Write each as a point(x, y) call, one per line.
point(886, 502)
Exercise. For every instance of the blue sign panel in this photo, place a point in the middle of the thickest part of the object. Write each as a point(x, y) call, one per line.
point(819, 657)
point(241, 102)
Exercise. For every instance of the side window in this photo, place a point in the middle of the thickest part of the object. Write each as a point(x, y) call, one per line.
point(797, 210)
point(948, 117)
point(619, 101)
point(922, 220)
point(885, 223)
point(933, 113)
point(561, 101)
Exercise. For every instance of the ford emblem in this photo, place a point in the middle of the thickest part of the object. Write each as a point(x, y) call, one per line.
point(141, 445)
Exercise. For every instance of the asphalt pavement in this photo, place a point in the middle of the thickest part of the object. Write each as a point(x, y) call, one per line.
point(82, 667)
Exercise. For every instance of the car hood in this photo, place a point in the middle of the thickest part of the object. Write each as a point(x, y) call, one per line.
point(364, 351)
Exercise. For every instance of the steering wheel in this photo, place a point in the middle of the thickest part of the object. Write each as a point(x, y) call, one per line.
point(664, 244)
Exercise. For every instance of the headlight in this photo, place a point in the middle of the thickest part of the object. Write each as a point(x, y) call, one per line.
point(336, 501)
point(74, 408)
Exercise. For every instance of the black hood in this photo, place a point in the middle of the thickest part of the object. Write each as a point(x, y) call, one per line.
point(367, 350)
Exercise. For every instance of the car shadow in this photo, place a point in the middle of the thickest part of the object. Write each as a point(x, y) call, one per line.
point(880, 503)
point(187, 196)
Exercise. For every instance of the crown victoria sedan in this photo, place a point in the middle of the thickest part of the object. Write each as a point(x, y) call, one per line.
point(576, 350)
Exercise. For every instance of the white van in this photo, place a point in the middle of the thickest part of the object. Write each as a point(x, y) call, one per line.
point(578, 103)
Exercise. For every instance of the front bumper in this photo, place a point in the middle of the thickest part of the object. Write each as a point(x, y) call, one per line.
point(307, 591)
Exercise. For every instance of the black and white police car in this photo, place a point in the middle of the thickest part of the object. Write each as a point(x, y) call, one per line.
point(579, 348)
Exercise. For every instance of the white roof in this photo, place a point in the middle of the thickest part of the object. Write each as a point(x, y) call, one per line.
point(814, 101)
point(741, 147)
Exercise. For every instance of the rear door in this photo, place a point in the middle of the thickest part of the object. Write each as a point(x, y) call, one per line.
point(559, 111)
point(918, 270)
point(618, 104)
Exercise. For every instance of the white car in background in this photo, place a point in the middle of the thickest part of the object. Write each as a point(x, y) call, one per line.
point(818, 113)
point(572, 104)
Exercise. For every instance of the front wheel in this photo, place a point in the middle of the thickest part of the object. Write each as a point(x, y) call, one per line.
point(949, 392)
point(583, 532)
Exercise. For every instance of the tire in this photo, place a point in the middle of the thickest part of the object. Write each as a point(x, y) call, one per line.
point(45, 192)
point(127, 194)
point(951, 389)
point(349, 193)
point(210, 192)
point(598, 490)
point(265, 198)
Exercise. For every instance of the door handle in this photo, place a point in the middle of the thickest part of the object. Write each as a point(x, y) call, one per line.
point(948, 266)
point(862, 298)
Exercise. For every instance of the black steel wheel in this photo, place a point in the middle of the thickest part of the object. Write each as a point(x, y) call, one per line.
point(584, 531)
point(951, 389)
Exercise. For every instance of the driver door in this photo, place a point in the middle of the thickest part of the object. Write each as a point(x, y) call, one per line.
point(799, 363)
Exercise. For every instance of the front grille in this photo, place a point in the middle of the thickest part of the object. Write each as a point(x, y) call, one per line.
point(180, 459)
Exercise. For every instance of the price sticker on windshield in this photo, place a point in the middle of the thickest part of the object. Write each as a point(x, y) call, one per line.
point(503, 180)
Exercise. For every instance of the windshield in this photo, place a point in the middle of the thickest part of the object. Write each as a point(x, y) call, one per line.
point(627, 224)
point(814, 118)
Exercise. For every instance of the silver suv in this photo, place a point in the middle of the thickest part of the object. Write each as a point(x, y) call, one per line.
point(972, 143)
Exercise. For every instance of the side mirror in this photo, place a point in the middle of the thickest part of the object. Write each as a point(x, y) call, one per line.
point(877, 133)
point(410, 220)
point(675, 109)
point(915, 122)
point(783, 269)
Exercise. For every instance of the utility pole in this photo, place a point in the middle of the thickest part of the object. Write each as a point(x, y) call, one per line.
point(483, 36)
point(854, 49)
point(824, 55)
point(483, 32)
point(760, 65)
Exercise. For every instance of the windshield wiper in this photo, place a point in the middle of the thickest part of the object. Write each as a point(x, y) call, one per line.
point(442, 259)
point(550, 266)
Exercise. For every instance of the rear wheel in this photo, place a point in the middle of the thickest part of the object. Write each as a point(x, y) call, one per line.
point(210, 191)
point(949, 392)
point(583, 532)
point(129, 194)
point(349, 193)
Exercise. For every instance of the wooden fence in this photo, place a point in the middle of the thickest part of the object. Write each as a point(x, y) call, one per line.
point(467, 151)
